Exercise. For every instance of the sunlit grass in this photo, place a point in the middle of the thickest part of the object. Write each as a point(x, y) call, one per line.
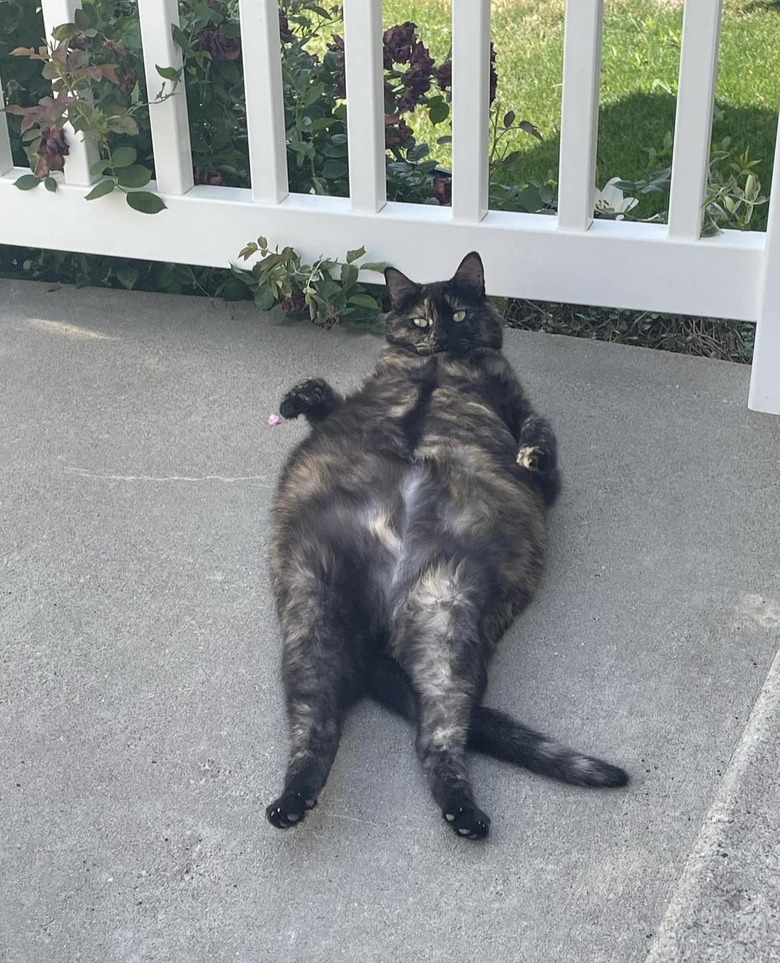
point(639, 78)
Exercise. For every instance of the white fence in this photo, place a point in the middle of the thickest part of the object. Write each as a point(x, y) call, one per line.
point(571, 257)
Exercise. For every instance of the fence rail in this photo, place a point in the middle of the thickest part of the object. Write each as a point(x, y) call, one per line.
point(568, 257)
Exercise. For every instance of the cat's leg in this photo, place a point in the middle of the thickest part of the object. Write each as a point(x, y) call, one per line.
point(313, 398)
point(435, 638)
point(320, 673)
point(538, 455)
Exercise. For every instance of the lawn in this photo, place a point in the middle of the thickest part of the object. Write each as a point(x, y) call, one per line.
point(639, 79)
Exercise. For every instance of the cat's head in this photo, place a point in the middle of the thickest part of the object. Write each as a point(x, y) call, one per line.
point(453, 315)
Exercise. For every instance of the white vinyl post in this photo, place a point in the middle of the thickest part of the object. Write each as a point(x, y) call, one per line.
point(470, 108)
point(765, 375)
point(580, 113)
point(261, 47)
point(365, 104)
point(168, 119)
point(693, 124)
point(82, 149)
point(6, 158)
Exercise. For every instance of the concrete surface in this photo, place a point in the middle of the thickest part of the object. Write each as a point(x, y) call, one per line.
point(141, 718)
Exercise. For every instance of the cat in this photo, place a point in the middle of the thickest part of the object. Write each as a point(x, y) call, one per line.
point(409, 530)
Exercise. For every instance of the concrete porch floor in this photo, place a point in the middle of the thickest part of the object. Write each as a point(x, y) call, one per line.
point(141, 715)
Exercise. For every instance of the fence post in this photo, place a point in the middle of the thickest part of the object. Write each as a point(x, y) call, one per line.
point(580, 113)
point(470, 108)
point(83, 151)
point(6, 158)
point(168, 119)
point(365, 104)
point(765, 375)
point(693, 123)
point(261, 47)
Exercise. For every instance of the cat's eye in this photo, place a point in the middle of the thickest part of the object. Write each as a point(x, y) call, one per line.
point(459, 316)
point(421, 322)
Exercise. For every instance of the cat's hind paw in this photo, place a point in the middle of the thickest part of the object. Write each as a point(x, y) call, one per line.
point(534, 458)
point(467, 821)
point(289, 809)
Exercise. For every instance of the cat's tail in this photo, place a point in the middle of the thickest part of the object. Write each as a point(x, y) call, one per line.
point(497, 734)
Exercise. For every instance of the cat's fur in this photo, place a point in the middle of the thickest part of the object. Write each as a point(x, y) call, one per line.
point(409, 531)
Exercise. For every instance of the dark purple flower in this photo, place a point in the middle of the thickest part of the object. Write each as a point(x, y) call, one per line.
point(442, 188)
point(127, 81)
point(213, 41)
point(339, 78)
point(285, 33)
point(417, 79)
point(397, 43)
point(444, 75)
point(397, 131)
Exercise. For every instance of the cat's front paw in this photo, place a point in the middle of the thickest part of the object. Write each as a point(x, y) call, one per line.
point(314, 398)
point(289, 809)
point(467, 821)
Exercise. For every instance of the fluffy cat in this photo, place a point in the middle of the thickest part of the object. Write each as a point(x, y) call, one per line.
point(409, 530)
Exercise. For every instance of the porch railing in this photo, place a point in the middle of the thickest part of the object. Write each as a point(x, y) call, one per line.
point(569, 257)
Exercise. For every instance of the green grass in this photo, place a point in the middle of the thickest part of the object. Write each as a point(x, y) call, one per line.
point(639, 79)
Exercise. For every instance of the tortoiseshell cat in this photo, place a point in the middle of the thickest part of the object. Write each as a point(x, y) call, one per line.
point(409, 531)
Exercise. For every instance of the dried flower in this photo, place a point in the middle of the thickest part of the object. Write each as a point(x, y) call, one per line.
point(214, 42)
point(202, 175)
point(293, 305)
point(52, 151)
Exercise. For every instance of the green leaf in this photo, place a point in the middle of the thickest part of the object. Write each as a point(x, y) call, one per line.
point(27, 182)
point(529, 128)
point(85, 17)
point(418, 152)
point(439, 112)
point(169, 73)
point(145, 202)
point(364, 301)
point(265, 298)
point(134, 176)
point(99, 167)
point(334, 169)
point(179, 37)
point(65, 31)
point(123, 157)
point(127, 276)
point(100, 189)
point(355, 255)
point(50, 184)
point(234, 289)
point(349, 275)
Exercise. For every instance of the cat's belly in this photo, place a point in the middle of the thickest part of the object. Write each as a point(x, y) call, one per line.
point(449, 509)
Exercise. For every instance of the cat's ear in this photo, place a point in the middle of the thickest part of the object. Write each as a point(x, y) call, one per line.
point(471, 274)
point(400, 289)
